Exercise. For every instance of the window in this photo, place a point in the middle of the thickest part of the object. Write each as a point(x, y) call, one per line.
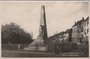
point(81, 29)
point(87, 30)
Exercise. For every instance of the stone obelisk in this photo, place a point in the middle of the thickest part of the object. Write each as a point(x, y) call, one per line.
point(41, 41)
point(43, 28)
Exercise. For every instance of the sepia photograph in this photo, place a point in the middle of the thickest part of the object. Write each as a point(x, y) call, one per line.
point(44, 29)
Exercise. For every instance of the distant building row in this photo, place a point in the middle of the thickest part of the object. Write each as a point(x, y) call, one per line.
point(79, 33)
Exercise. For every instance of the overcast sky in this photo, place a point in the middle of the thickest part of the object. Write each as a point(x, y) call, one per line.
point(59, 15)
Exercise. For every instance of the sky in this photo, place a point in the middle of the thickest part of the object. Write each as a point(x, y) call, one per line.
point(59, 15)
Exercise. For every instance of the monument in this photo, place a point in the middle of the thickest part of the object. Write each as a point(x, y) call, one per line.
point(41, 42)
point(43, 27)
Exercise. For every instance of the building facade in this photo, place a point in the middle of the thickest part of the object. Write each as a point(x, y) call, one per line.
point(74, 34)
point(55, 42)
point(85, 32)
point(80, 31)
